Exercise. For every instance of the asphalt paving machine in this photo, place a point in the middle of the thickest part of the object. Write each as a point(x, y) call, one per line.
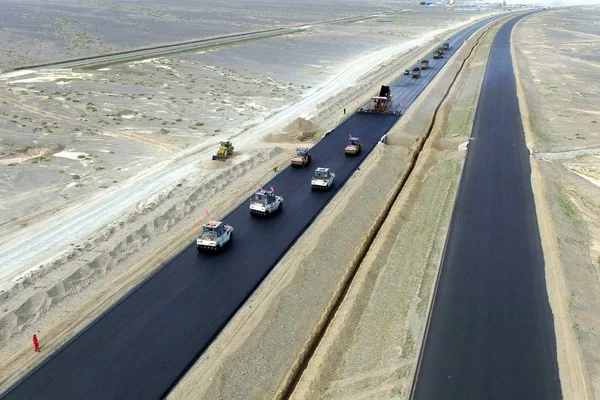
point(381, 104)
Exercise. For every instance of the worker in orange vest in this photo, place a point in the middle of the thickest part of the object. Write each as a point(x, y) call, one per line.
point(36, 345)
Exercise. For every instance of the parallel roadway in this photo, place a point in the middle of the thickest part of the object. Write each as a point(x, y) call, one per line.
point(491, 332)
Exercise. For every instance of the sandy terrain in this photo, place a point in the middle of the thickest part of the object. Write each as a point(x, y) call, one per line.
point(262, 346)
point(559, 98)
point(108, 169)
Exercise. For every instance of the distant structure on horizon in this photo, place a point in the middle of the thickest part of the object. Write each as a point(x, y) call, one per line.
point(451, 2)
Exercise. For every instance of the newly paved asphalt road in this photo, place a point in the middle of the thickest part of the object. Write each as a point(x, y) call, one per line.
point(139, 348)
point(491, 334)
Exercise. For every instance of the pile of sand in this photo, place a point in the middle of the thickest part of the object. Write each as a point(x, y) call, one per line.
point(303, 129)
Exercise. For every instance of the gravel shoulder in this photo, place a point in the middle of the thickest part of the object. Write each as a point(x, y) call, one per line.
point(256, 354)
point(562, 133)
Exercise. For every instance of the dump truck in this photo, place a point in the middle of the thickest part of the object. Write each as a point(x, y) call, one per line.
point(424, 64)
point(381, 104)
point(446, 46)
point(416, 72)
point(302, 158)
point(353, 147)
point(437, 54)
point(225, 150)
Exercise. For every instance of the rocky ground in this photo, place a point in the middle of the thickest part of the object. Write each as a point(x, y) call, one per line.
point(114, 162)
point(257, 352)
point(559, 70)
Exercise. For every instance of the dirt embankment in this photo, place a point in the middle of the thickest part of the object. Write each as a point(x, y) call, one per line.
point(263, 345)
point(557, 74)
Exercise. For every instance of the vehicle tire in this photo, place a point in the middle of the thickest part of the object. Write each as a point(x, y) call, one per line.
point(218, 249)
point(198, 248)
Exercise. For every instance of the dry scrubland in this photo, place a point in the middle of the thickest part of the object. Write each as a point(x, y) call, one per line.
point(135, 139)
point(371, 347)
point(64, 29)
point(560, 74)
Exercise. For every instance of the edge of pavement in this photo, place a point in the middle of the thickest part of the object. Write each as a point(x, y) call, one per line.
point(574, 378)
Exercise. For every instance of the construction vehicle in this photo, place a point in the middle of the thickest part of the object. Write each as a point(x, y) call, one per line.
point(424, 64)
point(265, 202)
point(225, 150)
point(437, 54)
point(381, 104)
point(302, 158)
point(353, 147)
point(214, 236)
point(322, 179)
point(416, 72)
point(446, 46)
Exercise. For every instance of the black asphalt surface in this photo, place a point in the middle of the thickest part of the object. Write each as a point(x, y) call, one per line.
point(139, 348)
point(491, 333)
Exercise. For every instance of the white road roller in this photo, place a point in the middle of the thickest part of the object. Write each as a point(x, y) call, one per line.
point(214, 236)
point(322, 179)
point(265, 202)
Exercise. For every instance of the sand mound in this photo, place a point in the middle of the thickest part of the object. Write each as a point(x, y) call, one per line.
point(216, 164)
point(303, 129)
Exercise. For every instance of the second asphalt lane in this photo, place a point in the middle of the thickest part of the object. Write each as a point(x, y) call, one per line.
point(491, 334)
point(140, 347)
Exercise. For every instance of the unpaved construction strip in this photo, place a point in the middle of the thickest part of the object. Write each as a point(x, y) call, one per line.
point(262, 350)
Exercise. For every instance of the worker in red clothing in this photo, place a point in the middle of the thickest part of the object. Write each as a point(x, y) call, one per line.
point(36, 345)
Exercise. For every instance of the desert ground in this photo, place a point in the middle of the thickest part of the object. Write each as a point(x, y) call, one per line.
point(105, 172)
point(388, 301)
point(560, 74)
point(34, 33)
